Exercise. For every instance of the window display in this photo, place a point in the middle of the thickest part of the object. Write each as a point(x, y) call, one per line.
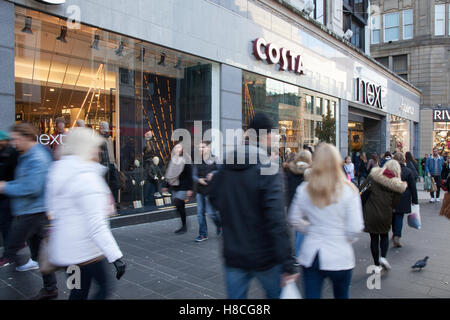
point(143, 92)
point(400, 134)
point(441, 137)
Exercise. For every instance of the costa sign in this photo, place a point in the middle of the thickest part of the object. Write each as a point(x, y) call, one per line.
point(273, 55)
point(368, 93)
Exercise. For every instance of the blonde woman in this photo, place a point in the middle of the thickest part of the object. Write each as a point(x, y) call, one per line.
point(79, 202)
point(386, 188)
point(330, 216)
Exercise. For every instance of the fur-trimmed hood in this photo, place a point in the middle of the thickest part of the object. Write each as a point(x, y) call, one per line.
point(395, 184)
point(298, 167)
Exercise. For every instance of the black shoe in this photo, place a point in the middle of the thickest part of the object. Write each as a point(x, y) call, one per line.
point(183, 229)
point(219, 231)
point(46, 295)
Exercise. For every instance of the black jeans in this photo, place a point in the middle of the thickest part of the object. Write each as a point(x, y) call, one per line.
point(94, 271)
point(30, 228)
point(378, 241)
point(437, 179)
point(5, 219)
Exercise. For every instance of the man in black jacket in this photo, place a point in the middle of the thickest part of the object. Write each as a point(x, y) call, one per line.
point(8, 163)
point(408, 197)
point(256, 239)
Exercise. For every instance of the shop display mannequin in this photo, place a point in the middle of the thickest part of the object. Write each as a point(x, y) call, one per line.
point(283, 143)
point(155, 176)
point(138, 182)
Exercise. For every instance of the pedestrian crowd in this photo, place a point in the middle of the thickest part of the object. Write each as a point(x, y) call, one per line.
point(272, 226)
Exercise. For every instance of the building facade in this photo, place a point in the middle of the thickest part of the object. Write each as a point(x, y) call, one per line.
point(157, 66)
point(412, 38)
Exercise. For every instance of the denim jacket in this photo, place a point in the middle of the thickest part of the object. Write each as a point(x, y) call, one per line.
point(27, 190)
point(429, 166)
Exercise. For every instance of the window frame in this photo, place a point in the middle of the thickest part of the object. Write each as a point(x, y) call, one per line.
point(407, 25)
point(436, 6)
point(384, 26)
point(378, 24)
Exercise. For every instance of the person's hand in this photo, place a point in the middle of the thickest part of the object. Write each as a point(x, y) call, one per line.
point(285, 278)
point(120, 268)
point(189, 193)
point(209, 176)
point(202, 181)
point(2, 185)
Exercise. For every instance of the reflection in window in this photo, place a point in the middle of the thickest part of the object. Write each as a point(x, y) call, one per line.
point(391, 27)
point(375, 25)
point(407, 24)
point(439, 19)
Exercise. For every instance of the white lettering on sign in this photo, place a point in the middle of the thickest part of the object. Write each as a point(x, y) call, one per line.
point(273, 55)
point(46, 139)
point(406, 108)
point(368, 93)
point(441, 115)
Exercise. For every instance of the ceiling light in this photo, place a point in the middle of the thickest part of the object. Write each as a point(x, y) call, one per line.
point(34, 110)
point(96, 41)
point(47, 100)
point(27, 94)
point(161, 61)
point(120, 49)
point(62, 35)
point(28, 22)
point(52, 90)
point(64, 107)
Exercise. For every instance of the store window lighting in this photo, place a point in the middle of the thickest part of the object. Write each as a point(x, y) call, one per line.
point(28, 22)
point(95, 42)
point(119, 51)
point(62, 35)
point(161, 61)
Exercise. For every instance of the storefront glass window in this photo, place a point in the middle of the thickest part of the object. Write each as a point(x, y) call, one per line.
point(400, 134)
point(290, 110)
point(441, 138)
point(93, 75)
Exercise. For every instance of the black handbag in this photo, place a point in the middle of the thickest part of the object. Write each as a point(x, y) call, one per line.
point(365, 193)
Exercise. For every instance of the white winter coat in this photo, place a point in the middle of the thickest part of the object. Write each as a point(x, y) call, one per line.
point(330, 230)
point(79, 203)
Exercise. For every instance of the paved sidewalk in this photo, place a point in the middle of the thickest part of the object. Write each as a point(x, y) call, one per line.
point(162, 265)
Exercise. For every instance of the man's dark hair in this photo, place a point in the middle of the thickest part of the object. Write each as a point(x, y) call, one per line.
point(387, 154)
point(207, 142)
point(261, 122)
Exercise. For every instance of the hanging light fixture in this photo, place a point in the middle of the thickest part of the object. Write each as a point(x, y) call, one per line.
point(95, 42)
point(119, 51)
point(62, 35)
point(142, 55)
point(178, 65)
point(161, 61)
point(28, 22)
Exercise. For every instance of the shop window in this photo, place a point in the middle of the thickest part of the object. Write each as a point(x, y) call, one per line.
point(391, 27)
point(400, 134)
point(384, 61)
point(439, 19)
point(375, 26)
point(407, 24)
point(96, 75)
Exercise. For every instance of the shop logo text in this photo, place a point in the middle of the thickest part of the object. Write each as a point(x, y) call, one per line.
point(441, 115)
point(368, 93)
point(273, 55)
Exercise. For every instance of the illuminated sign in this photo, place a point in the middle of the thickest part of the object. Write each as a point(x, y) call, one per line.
point(273, 55)
point(441, 115)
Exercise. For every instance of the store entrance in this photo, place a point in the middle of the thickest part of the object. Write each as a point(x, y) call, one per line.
point(364, 135)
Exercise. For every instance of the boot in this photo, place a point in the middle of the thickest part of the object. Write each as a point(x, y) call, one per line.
point(397, 242)
point(182, 230)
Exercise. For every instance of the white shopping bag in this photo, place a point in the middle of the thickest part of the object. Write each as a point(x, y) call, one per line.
point(414, 220)
point(290, 291)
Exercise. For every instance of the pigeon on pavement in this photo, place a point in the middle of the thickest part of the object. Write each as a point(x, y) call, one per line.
point(420, 264)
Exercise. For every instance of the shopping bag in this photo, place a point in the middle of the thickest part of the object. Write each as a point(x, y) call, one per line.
point(427, 183)
point(445, 209)
point(433, 185)
point(414, 220)
point(290, 291)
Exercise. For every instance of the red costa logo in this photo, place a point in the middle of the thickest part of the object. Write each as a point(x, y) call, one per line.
point(273, 55)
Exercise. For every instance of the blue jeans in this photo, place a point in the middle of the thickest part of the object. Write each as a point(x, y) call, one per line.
point(397, 224)
point(299, 237)
point(313, 279)
point(238, 281)
point(203, 207)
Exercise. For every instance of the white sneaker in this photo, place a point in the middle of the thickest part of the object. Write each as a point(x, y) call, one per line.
point(437, 200)
point(30, 265)
point(378, 269)
point(385, 263)
point(432, 200)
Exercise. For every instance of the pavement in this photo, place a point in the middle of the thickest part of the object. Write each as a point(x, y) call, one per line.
point(162, 265)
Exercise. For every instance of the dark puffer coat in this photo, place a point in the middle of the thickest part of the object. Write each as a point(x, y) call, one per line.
point(384, 197)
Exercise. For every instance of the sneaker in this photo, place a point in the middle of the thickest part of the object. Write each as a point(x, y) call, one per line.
point(385, 263)
point(201, 238)
point(181, 230)
point(46, 295)
point(378, 269)
point(437, 200)
point(432, 200)
point(30, 265)
point(4, 262)
point(397, 242)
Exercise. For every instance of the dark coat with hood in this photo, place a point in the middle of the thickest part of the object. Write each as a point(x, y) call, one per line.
point(255, 230)
point(296, 173)
point(384, 196)
point(410, 194)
